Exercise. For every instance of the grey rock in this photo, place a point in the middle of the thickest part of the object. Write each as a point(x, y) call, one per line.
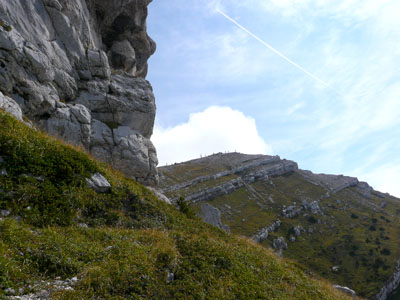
point(1, 159)
point(53, 3)
point(81, 113)
point(98, 183)
point(98, 64)
point(263, 166)
point(391, 285)
point(55, 56)
point(335, 268)
point(43, 294)
point(346, 290)
point(3, 172)
point(364, 189)
point(212, 215)
point(122, 56)
point(134, 155)
point(38, 178)
point(292, 239)
point(298, 230)
point(10, 106)
point(73, 280)
point(170, 277)
point(126, 22)
point(263, 233)
point(279, 244)
point(333, 183)
point(10, 291)
point(314, 208)
point(40, 64)
point(160, 195)
point(291, 211)
point(64, 123)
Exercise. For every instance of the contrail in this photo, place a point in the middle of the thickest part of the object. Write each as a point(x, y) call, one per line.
point(276, 51)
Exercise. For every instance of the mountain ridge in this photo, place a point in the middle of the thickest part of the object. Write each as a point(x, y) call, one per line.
point(74, 228)
point(281, 206)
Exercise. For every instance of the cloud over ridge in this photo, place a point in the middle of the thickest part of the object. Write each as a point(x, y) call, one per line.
point(216, 129)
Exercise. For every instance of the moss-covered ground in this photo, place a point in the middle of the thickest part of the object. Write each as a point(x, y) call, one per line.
point(132, 243)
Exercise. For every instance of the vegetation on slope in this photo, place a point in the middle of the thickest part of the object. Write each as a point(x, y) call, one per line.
point(134, 247)
point(357, 235)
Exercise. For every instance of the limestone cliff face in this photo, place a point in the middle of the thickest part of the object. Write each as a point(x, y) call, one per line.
point(76, 69)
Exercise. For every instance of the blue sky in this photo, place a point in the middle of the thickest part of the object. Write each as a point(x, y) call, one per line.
point(219, 89)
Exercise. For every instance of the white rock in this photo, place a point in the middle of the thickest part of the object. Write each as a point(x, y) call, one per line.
point(160, 195)
point(345, 290)
point(10, 106)
point(98, 183)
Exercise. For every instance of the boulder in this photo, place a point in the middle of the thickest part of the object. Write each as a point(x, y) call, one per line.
point(98, 183)
point(212, 215)
point(279, 243)
point(346, 290)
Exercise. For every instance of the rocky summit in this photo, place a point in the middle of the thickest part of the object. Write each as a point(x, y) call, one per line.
point(332, 225)
point(77, 68)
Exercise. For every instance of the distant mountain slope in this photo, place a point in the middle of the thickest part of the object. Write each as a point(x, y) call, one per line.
point(335, 226)
point(73, 228)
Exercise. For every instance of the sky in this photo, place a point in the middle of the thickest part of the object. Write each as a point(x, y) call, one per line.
point(314, 81)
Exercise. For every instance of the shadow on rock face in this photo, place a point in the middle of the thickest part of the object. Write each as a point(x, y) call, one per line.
point(123, 30)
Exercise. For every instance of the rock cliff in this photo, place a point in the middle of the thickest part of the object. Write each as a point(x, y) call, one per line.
point(390, 286)
point(77, 68)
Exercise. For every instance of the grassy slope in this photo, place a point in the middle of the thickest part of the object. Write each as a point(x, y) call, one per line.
point(361, 240)
point(42, 239)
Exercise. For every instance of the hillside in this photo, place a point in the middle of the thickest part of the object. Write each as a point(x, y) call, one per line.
point(65, 237)
point(335, 226)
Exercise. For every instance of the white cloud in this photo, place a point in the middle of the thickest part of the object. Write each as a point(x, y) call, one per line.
point(216, 129)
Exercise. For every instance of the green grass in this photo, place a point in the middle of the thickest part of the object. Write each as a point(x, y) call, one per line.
point(352, 233)
point(133, 240)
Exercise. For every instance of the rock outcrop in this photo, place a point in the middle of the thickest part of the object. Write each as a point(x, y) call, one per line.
point(246, 172)
point(10, 106)
point(212, 215)
point(273, 202)
point(263, 233)
point(390, 286)
point(333, 183)
point(76, 68)
point(346, 290)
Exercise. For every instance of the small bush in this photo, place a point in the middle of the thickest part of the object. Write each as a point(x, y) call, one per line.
point(185, 208)
point(312, 220)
